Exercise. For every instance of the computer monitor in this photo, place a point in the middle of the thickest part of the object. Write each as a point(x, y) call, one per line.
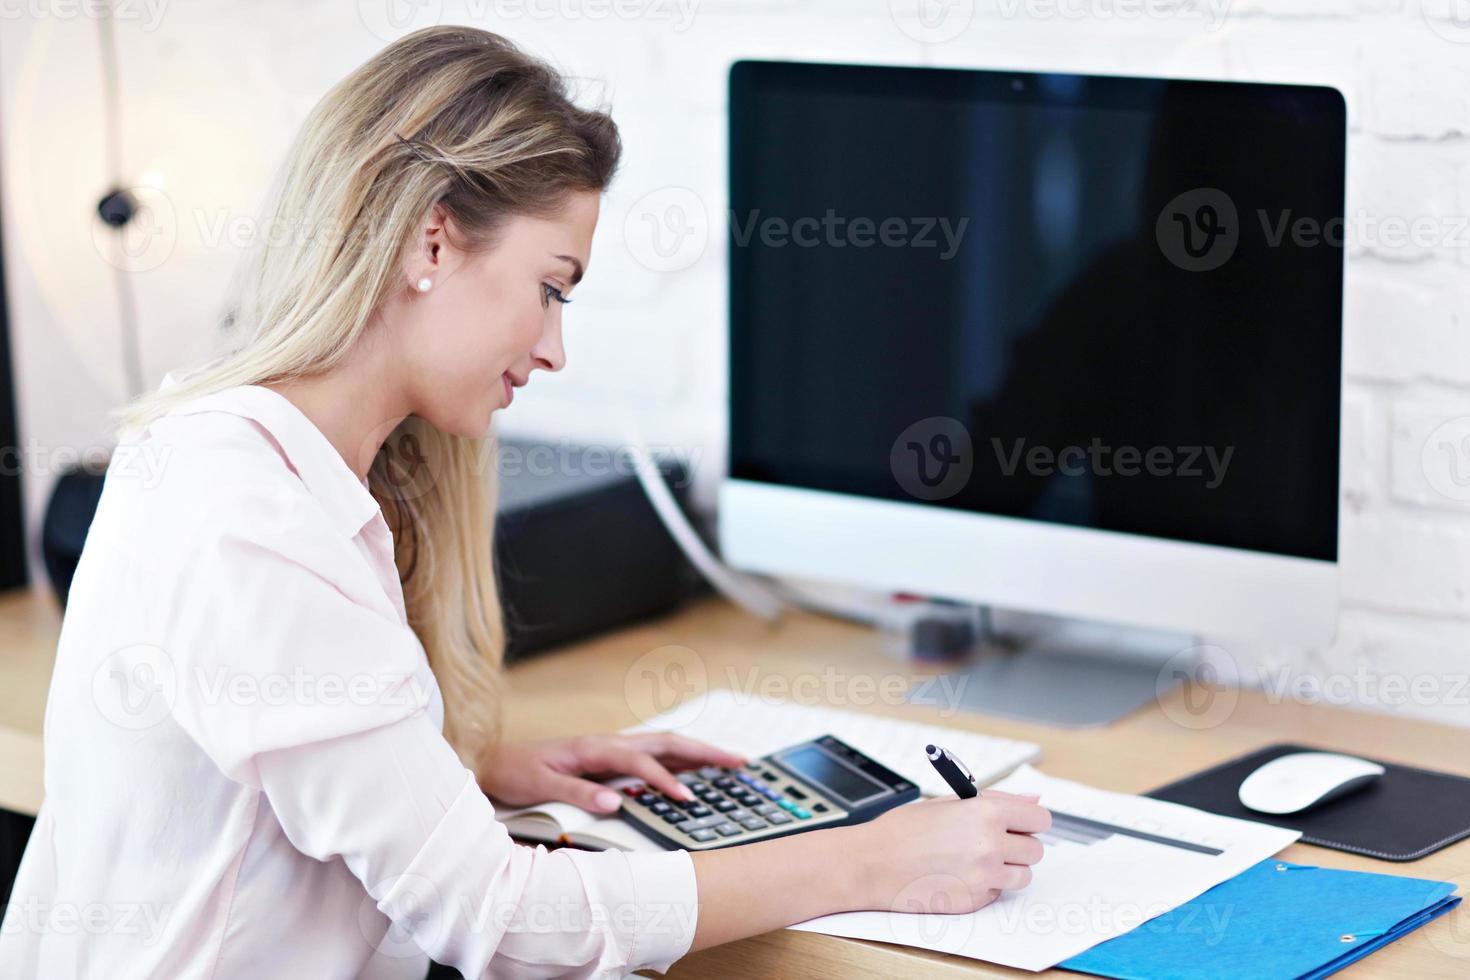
point(1059, 343)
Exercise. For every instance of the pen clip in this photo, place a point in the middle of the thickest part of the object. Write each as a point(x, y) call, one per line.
point(959, 765)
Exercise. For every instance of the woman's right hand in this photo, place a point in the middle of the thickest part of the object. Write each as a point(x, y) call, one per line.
point(950, 855)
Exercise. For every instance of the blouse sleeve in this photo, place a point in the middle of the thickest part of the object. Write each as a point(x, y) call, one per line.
point(407, 818)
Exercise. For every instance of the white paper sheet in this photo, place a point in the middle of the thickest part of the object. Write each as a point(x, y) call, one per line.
point(1090, 886)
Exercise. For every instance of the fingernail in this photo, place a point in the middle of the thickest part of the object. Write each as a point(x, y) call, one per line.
point(685, 793)
point(608, 800)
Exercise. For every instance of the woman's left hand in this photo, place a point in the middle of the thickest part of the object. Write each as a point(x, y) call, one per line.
point(526, 773)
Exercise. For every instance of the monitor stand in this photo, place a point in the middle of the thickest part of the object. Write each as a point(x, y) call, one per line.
point(1063, 673)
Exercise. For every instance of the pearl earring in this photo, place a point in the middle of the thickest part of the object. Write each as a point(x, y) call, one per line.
point(424, 284)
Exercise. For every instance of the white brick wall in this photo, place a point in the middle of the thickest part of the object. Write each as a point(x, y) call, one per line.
point(213, 92)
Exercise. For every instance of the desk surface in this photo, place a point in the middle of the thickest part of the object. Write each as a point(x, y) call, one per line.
point(602, 686)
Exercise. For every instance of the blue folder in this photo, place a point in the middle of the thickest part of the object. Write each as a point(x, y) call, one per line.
point(1275, 920)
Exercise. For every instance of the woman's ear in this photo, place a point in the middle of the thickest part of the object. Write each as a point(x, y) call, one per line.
point(426, 263)
point(435, 236)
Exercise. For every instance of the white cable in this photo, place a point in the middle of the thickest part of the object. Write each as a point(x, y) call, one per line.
point(740, 589)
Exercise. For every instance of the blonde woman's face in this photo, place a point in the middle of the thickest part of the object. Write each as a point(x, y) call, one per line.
point(490, 319)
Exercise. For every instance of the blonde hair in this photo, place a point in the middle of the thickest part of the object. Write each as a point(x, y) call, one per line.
point(449, 115)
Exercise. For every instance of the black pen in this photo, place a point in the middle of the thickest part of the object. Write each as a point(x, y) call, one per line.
point(953, 771)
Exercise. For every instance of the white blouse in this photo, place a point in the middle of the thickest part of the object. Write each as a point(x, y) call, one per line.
point(245, 770)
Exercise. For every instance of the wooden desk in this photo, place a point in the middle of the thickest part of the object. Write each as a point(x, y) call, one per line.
point(603, 685)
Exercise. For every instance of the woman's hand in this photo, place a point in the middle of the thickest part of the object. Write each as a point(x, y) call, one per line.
point(937, 856)
point(952, 855)
point(526, 773)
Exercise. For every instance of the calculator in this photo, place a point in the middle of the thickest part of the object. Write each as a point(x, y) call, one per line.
point(821, 783)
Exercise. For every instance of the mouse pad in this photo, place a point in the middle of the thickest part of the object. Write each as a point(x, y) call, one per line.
point(1402, 816)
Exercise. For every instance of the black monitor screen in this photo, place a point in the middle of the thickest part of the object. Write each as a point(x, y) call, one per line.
point(1103, 302)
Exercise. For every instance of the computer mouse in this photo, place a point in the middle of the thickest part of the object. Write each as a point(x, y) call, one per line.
point(1301, 780)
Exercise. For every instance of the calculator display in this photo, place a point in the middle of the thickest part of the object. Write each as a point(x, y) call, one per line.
point(831, 774)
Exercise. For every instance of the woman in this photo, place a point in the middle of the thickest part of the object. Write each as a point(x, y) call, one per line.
point(271, 731)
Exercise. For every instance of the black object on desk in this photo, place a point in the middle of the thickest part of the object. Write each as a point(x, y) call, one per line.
point(579, 548)
point(1404, 815)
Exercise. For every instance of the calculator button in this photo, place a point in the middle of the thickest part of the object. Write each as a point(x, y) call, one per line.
point(660, 806)
point(725, 806)
point(699, 787)
point(819, 807)
point(675, 816)
point(727, 829)
point(770, 794)
point(687, 777)
point(766, 809)
point(745, 777)
point(745, 799)
point(710, 772)
point(802, 813)
point(635, 790)
point(786, 805)
point(753, 823)
point(703, 835)
point(778, 817)
point(738, 815)
point(647, 799)
point(725, 782)
point(699, 810)
point(703, 822)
